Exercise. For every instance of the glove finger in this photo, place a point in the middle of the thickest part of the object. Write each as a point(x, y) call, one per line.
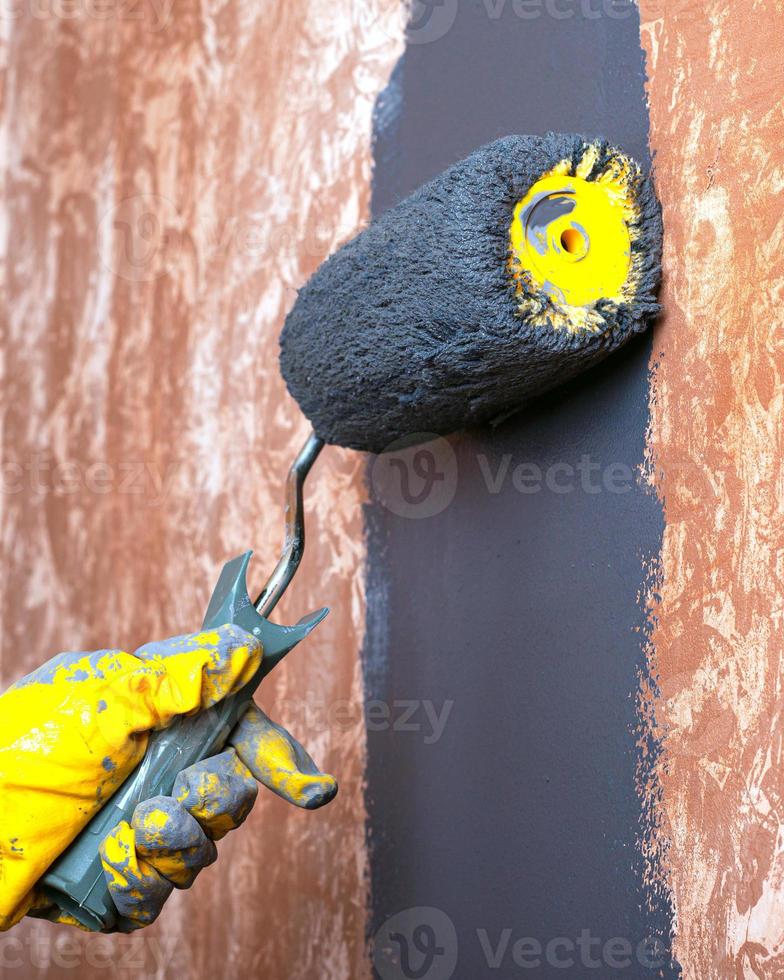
point(219, 792)
point(171, 840)
point(191, 672)
point(136, 888)
point(279, 762)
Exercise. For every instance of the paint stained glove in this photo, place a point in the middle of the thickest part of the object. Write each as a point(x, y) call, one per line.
point(73, 730)
point(171, 838)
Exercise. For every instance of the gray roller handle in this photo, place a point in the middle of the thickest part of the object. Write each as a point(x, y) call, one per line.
point(76, 881)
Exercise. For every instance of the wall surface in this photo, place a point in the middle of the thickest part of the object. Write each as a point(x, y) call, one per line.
point(514, 618)
point(172, 173)
point(573, 724)
point(717, 441)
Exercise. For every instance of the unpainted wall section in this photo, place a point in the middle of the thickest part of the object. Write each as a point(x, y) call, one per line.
point(716, 446)
point(172, 173)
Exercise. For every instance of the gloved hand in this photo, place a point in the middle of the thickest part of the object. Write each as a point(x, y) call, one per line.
point(73, 730)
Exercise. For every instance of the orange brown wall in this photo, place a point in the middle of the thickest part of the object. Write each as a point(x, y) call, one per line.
point(172, 173)
point(716, 445)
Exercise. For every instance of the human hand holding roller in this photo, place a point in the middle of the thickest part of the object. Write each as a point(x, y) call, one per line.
point(73, 730)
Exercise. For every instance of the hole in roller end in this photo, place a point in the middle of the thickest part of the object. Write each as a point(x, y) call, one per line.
point(573, 241)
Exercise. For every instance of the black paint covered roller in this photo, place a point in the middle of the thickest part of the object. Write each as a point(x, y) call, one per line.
point(503, 277)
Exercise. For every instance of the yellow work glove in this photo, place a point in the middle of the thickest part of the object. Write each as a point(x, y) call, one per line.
point(73, 730)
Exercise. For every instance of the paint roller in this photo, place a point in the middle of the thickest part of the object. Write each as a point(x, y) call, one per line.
point(507, 275)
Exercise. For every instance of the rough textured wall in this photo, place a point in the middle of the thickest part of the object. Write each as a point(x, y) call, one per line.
point(717, 442)
point(172, 174)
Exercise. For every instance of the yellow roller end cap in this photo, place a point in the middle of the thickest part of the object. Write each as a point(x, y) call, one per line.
point(570, 238)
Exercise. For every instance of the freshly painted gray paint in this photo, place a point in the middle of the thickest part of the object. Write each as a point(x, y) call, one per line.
point(521, 609)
